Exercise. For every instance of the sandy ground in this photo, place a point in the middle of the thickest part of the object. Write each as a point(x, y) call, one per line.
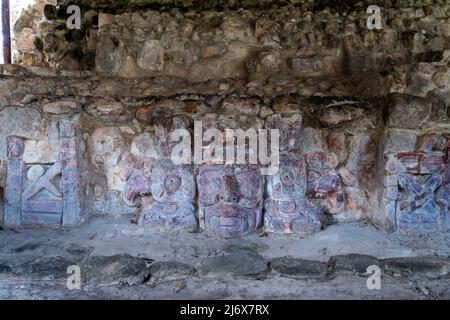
point(209, 278)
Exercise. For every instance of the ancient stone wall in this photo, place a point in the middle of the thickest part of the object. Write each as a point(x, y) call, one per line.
point(362, 114)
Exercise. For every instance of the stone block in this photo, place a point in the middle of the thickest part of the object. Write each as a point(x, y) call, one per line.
point(241, 265)
point(395, 141)
point(14, 173)
point(13, 195)
point(409, 112)
point(68, 128)
point(354, 263)
point(299, 268)
point(432, 267)
point(390, 181)
point(335, 116)
point(151, 56)
point(12, 216)
point(307, 65)
point(61, 107)
point(391, 164)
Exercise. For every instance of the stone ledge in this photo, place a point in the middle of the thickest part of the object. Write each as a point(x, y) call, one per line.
point(120, 5)
point(240, 265)
point(38, 81)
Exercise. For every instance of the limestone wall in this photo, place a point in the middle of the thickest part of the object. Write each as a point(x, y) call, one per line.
point(347, 134)
point(367, 109)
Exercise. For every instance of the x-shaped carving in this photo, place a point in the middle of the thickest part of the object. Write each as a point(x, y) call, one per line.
point(44, 182)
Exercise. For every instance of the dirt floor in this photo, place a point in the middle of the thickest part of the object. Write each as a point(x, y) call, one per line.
point(118, 260)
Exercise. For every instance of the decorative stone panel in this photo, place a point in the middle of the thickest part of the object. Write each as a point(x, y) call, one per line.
point(173, 189)
point(230, 199)
point(45, 194)
point(415, 196)
point(287, 209)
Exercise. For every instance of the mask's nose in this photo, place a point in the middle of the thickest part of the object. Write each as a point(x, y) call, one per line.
point(230, 192)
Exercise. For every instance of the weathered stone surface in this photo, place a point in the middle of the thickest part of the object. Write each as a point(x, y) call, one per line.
point(151, 57)
point(169, 271)
point(110, 56)
point(238, 245)
point(241, 106)
point(61, 107)
point(239, 69)
point(395, 141)
point(432, 267)
point(107, 146)
point(25, 40)
point(286, 105)
point(337, 144)
point(169, 216)
point(144, 146)
point(239, 265)
point(355, 263)
point(16, 147)
point(432, 143)
point(409, 112)
point(361, 158)
point(334, 116)
point(113, 267)
point(215, 45)
point(164, 126)
point(117, 5)
point(298, 268)
point(46, 267)
point(323, 182)
point(75, 189)
point(306, 65)
point(287, 210)
point(230, 199)
point(23, 122)
point(310, 140)
point(35, 172)
point(44, 151)
point(5, 269)
point(292, 137)
point(161, 108)
point(109, 111)
point(111, 203)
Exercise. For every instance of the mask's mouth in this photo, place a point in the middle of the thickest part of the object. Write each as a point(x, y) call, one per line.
point(230, 220)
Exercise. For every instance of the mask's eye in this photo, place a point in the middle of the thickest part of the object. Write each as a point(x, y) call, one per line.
point(172, 183)
point(287, 177)
point(217, 182)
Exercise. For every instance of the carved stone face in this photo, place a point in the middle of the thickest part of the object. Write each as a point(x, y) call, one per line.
point(136, 186)
point(294, 216)
point(290, 182)
point(230, 199)
point(173, 189)
point(172, 183)
point(170, 216)
point(287, 208)
point(324, 182)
